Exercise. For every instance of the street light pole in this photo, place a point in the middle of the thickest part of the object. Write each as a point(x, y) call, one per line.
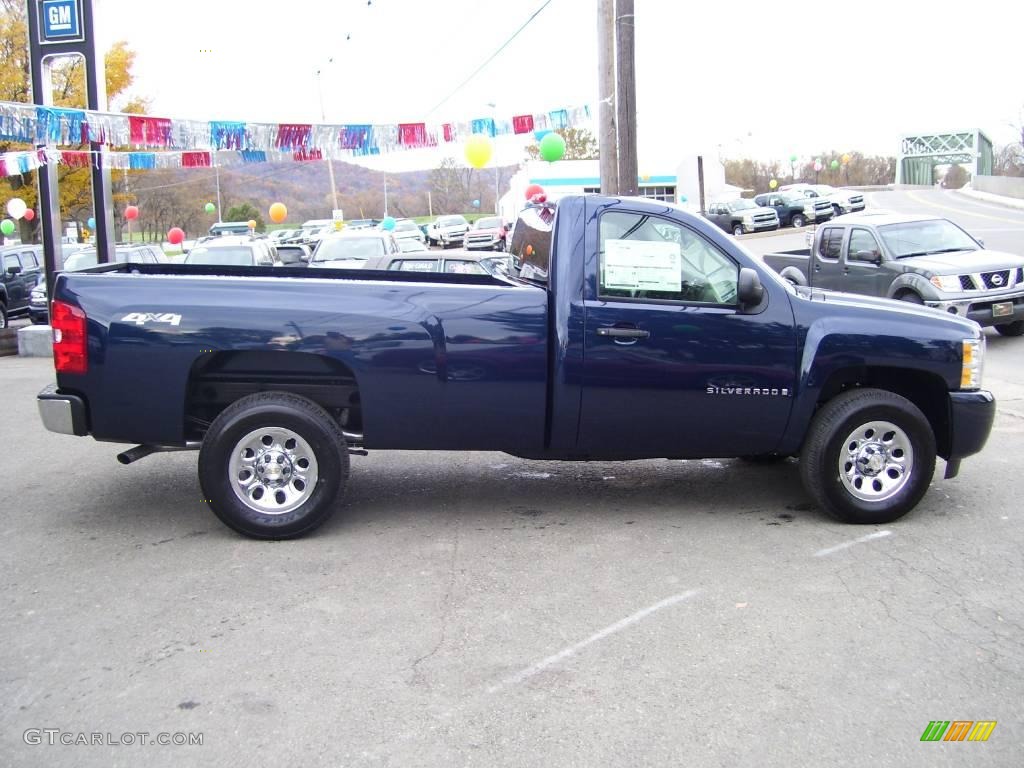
point(494, 111)
point(216, 171)
point(327, 157)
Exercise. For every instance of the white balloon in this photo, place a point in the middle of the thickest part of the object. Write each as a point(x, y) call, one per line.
point(16, 207)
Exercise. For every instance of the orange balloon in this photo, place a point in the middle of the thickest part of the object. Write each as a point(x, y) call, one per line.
point(278, 213)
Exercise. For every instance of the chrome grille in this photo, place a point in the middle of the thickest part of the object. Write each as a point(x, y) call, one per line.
point(762, 217)
point(996, 280)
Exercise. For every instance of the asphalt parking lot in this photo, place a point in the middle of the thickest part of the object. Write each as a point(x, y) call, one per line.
point(479, 609)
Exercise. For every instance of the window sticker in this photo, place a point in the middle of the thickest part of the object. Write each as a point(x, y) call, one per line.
point(642, 265)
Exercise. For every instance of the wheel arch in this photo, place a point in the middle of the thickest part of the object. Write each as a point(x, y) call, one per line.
point(218, 379)
point(924, 389)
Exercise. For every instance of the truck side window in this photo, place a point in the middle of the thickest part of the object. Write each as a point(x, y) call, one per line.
point(10, 260)
point(831, 243)
point(646, 257)
point(862, 240)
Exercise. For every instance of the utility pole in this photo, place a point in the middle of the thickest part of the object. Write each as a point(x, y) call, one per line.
point(626, 96)
point(327, 155)
point(700, 180)
point(607, 137)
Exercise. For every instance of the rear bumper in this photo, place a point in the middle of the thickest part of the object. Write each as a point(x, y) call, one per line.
point(970, 420)
point(61, 413)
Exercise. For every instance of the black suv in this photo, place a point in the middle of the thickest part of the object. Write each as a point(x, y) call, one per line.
point(22, 265)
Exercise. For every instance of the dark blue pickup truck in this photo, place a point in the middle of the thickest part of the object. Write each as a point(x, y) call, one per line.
point(625, 329)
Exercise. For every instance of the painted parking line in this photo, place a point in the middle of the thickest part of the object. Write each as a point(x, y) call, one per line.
point(565, 653)
point(847, 544)
point(961, 211)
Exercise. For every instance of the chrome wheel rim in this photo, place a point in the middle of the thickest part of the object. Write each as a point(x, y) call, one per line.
point(272, 470)
point(876, 461)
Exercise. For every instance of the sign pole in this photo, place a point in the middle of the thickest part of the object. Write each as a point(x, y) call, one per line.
point(65, 28)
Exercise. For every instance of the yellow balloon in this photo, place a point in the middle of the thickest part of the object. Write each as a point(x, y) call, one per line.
point(846, 159)
point(252, 223)
point(478, 150)
point(278, 213)
point(773, 183)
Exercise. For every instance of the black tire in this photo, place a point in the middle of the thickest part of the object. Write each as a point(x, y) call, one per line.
point(910, 297)
point(797, 220)
point(836, 211)
point(839, 420)
point(294, 415)
point(3, 315)
point(1016, 328)
point(737, 230)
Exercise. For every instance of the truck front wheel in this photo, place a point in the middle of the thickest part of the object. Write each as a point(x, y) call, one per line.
point(797, 220)
point(869, 456)
point(272, 465)
point(737, 229)
point(1016, 328)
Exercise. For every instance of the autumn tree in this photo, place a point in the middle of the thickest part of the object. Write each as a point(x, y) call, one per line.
point(580, 144)
point(955, 177)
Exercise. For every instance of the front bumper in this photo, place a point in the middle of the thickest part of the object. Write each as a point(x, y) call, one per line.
point(39, 315)
point(979, 308)
point(760, 226)
point(61, 413)
point(970, 421)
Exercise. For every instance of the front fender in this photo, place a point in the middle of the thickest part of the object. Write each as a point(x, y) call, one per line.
point(858, 347)
point(913, 282)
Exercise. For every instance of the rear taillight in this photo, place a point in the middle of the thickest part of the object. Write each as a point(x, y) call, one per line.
point(69, 350)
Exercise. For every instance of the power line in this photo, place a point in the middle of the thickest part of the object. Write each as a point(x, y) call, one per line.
point(491, 57)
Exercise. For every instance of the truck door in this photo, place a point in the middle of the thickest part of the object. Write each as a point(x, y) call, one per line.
point(672, 366)
point(864, 270)
point(826, 269)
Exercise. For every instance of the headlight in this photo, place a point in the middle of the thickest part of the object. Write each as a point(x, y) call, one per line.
point(948, 283)
point(973, 363)
point(808, 207)
point(748, 218)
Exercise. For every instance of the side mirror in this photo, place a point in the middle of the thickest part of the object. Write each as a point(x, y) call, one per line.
point(869, 256)
point(749, 290)
point(12, 271)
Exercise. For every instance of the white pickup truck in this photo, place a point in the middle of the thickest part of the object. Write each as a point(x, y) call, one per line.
point(447, 231)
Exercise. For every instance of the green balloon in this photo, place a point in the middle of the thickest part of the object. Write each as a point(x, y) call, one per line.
point(834, 164)
point(552, 147)
point(792, 158)
point(7, 227)
point(209, 207)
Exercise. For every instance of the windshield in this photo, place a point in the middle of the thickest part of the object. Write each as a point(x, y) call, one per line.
point(83, 259)
point(491, 222)
point(921, 238)
point(742, 205)
point(349, 248)
point(221, 257)
point(406, 226)
point(823, 189)
point(450, 221)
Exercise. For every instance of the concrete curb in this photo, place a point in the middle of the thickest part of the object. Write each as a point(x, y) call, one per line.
point(1008, 202)
point(35, 341)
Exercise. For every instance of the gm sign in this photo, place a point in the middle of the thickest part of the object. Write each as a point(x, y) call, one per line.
point(60, 21)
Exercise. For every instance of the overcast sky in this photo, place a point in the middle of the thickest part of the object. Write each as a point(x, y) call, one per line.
point(744, 76)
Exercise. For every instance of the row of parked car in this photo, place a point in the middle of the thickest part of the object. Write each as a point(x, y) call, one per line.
point(794, 205)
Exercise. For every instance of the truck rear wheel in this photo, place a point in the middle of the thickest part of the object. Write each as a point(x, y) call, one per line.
point(1016, 328)
point(869, 456)
point(272, 465)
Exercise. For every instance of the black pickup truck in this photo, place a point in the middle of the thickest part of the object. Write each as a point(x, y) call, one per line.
point(22, 266)
point(625, 329)
point(918, 259)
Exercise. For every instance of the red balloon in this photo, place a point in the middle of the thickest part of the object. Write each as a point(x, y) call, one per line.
point(131, 213)
point(533, 189)
point(29, 214)
point(175, 235)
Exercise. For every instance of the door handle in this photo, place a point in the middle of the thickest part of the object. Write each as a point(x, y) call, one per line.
point(624, 333)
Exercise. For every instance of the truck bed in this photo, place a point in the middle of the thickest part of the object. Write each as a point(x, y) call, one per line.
point(430, 360)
